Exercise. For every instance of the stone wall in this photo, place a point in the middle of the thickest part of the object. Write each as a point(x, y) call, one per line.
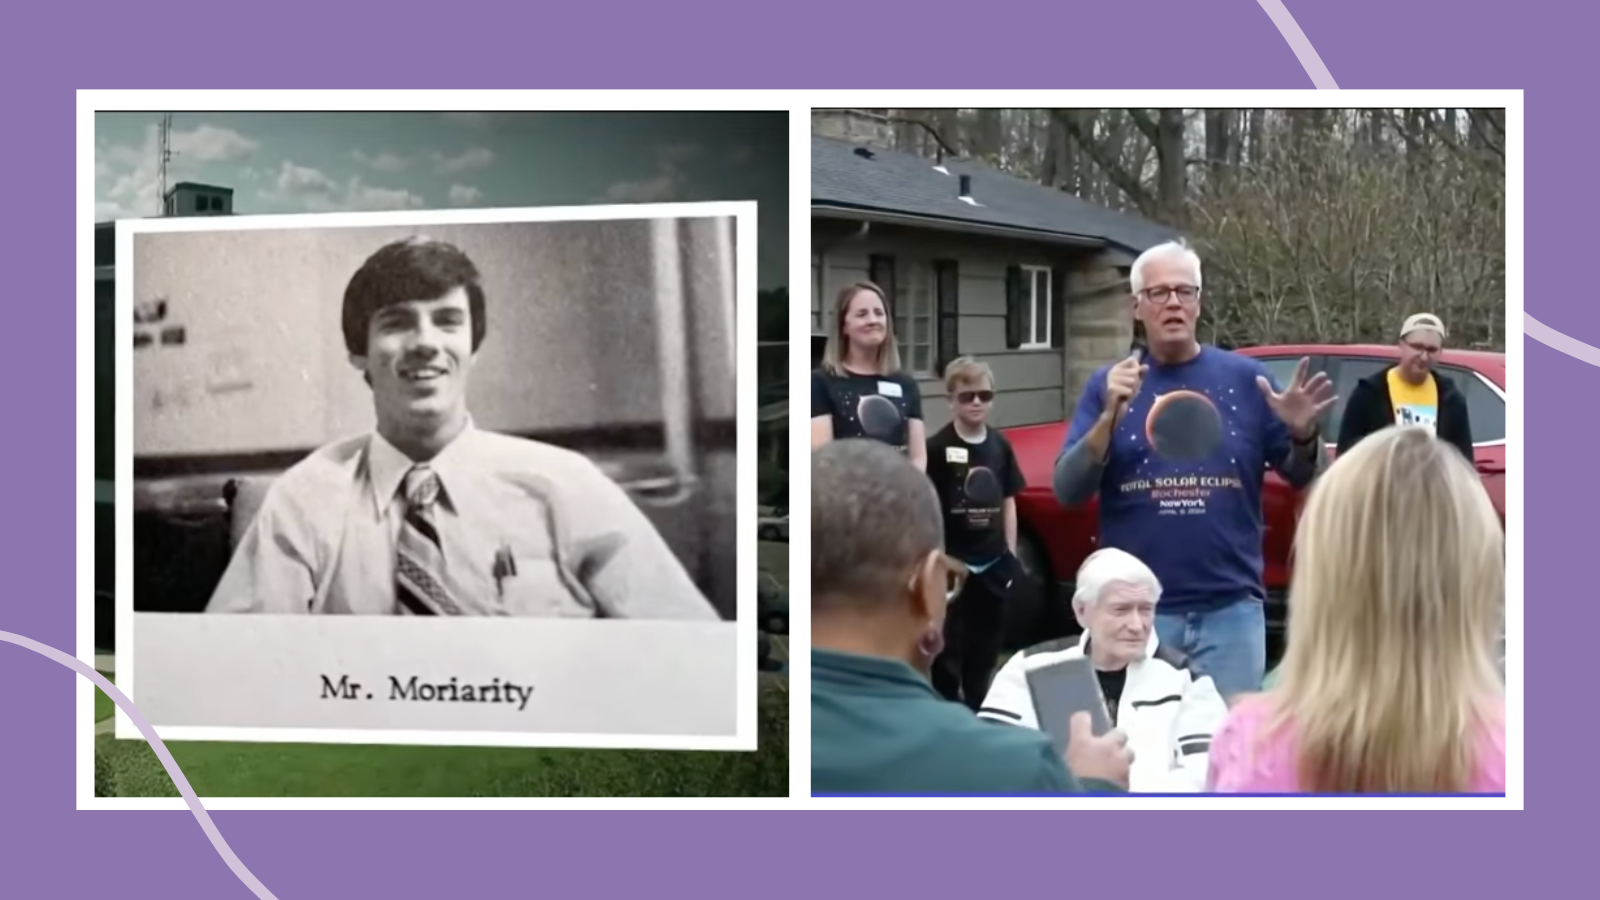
point(853, 125)
point(1099, 321)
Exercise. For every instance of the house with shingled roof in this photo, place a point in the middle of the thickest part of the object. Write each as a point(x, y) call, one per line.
point(976, 262)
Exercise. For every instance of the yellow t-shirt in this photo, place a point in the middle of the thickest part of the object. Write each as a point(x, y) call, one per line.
point(1414, 404)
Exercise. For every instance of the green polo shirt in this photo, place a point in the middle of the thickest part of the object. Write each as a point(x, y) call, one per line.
point(877, 727)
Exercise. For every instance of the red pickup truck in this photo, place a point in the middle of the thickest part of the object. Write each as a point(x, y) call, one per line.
point(1053, 540)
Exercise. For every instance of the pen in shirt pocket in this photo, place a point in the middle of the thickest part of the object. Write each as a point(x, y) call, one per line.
point(505, 566)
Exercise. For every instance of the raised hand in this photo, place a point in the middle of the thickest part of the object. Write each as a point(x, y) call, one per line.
point(1302, 401)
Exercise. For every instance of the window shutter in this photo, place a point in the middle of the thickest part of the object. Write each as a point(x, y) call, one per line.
point(1017, 296)
point(1058, 308)
point(880, 271)
point(947, 285)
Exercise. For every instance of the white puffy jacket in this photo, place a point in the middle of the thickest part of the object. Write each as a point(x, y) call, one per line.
point(1167, 710)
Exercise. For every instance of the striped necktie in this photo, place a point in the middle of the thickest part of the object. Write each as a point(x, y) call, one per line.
point(420, 581)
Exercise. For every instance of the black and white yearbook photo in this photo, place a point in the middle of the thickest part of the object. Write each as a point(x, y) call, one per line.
point(437, 477)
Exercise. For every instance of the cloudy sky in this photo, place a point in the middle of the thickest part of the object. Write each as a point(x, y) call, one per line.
point(323, 162)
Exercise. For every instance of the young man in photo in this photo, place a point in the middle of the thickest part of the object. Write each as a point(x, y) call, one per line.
point(429, 515)
point(977, 478)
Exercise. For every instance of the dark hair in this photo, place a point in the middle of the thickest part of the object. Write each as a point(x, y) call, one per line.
point(411, 269)
point(873, 518)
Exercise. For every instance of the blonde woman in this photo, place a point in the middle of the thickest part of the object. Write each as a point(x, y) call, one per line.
point(1390, 683)
point(860, 392)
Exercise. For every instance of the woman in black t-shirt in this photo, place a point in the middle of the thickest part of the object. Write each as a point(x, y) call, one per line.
point(860, 392)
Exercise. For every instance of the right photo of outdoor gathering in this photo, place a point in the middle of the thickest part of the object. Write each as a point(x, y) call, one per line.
point(1158, 451)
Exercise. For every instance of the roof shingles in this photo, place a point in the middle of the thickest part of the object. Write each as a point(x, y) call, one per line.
point(894, 181)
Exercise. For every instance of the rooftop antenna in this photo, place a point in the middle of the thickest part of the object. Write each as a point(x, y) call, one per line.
point(164, 156)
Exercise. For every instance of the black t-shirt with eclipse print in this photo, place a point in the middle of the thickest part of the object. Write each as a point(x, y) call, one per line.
point(974, 480)
point(879, 407)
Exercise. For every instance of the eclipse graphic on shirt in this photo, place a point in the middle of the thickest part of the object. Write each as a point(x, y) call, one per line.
point(1183, 426)
point(879, 418)
point(982, 487)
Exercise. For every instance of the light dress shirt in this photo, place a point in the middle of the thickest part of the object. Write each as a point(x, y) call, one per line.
point(324, 539)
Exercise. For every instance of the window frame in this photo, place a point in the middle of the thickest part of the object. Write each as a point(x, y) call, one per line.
point(913, 305)
point(1493, 388)
point(1033, 340)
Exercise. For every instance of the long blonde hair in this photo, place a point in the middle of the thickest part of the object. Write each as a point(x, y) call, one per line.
point(1394, 610)
point(834, 355)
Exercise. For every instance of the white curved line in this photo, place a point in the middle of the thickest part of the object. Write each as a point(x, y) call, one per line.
point(1297, 41)
point(1559, 342)
point(176, 774)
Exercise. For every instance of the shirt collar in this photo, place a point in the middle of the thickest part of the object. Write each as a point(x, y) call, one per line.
point(387, 468)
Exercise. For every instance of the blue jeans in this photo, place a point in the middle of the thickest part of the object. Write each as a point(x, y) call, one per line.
point(1228, 643)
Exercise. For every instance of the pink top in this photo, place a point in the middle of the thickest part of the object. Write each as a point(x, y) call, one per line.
point(1242, 764)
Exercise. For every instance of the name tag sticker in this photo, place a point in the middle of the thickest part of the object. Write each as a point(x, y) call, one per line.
point(955, 454)
point(889, 389)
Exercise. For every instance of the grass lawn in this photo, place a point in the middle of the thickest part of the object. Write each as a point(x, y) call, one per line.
point(216, 769)
point(103, 706)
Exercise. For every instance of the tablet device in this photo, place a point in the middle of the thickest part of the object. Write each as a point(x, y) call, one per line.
point(1062, 690)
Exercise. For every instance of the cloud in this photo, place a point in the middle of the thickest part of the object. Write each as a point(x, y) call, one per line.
point(664, 185)
point(208, 144)
point(314, 191)
point(359, 196)
point(127, 176)
point(667, 184)
point(740, 154)
point(303, 181)
point(464, 195)
point(467, 161)
point(383, 162)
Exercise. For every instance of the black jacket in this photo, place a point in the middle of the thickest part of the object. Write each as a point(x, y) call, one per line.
point(1370, 409)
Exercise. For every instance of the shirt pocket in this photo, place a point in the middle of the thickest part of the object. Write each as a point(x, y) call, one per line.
point(538, 590)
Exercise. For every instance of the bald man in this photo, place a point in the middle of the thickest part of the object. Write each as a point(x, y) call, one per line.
point(879, 583)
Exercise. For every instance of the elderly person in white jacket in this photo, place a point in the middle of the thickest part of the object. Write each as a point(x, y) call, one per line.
point(1167, 709)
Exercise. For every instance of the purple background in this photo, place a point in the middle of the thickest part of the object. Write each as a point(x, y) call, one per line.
point(49, 849)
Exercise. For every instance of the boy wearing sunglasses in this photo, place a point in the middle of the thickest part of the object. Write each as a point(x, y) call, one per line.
point(1410, 392)
point(977, 479)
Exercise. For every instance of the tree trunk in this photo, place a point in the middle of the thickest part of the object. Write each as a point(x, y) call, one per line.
point(1173, 183)
point(988, 139)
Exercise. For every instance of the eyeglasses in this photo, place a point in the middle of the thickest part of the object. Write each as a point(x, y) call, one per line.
point(1423, 348)
point(965, 397)
point(955, 577)
point(1187, 294)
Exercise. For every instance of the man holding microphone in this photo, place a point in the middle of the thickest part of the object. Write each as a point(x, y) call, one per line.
point(1176, 442)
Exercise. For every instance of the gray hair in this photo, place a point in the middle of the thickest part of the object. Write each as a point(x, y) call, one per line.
point(1111, 566)
point(1169, 250)
point(873, 518)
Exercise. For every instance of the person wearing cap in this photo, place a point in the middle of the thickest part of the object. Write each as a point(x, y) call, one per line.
point(1153, 693)
point(1410, 392)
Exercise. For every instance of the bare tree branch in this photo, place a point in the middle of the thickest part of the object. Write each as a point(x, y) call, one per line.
point(1108, 164)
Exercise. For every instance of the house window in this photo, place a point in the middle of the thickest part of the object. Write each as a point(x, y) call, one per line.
point(216, 204)
point(1036, 309)
point(913, 318)
point(199, 204)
